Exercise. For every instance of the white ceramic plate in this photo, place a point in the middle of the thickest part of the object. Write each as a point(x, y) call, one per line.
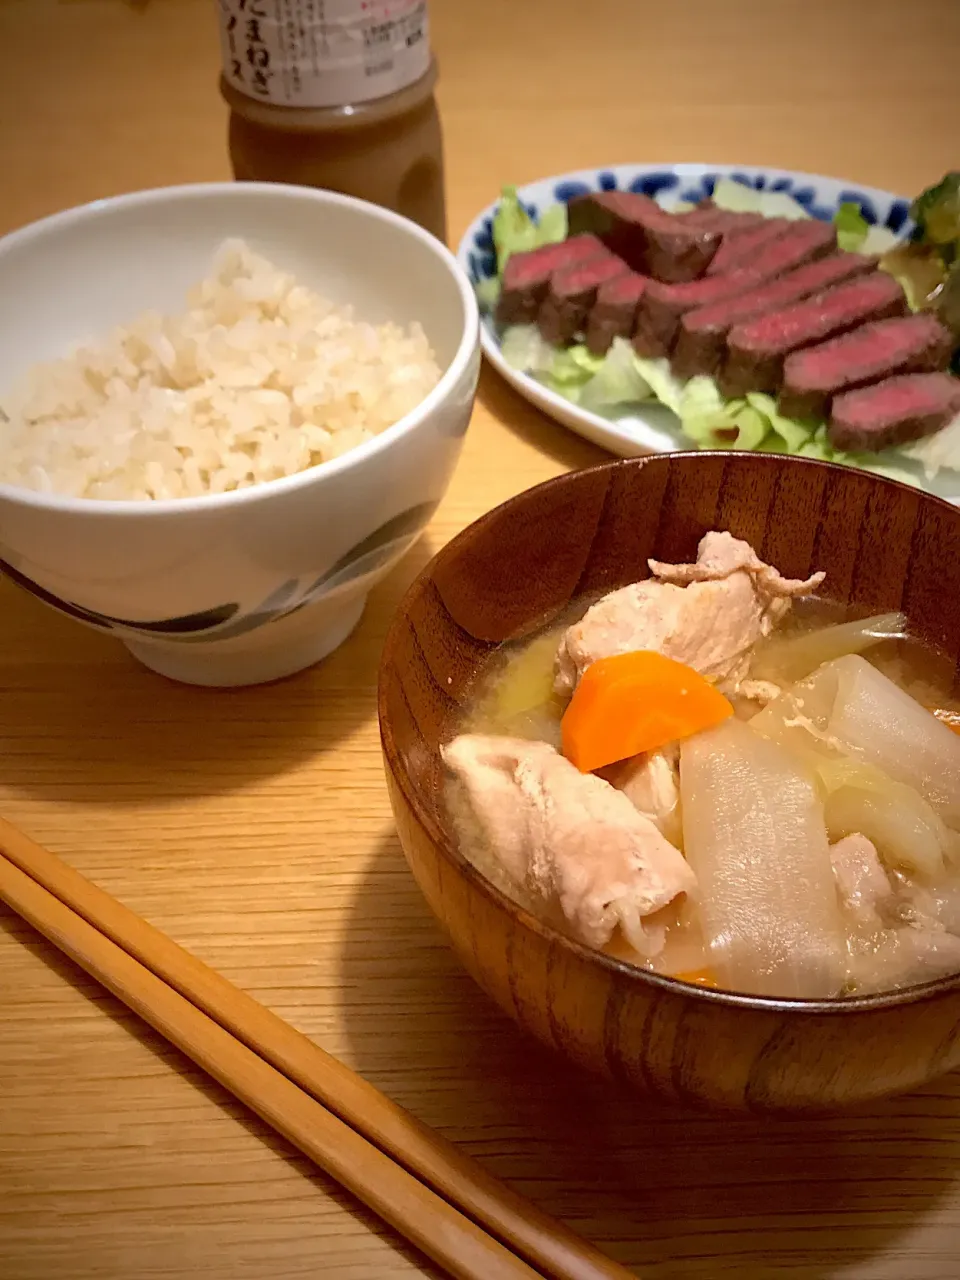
point(654, 428)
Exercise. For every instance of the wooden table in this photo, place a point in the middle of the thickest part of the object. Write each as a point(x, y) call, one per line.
point(253, 826)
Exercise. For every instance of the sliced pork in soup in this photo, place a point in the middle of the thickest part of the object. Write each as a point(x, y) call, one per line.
point(651, 782)
point(707, 615)
point(571, 837)
point(863, 885)
point(716, 775)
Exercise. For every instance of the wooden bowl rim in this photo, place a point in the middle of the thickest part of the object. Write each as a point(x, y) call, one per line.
point(920, 993)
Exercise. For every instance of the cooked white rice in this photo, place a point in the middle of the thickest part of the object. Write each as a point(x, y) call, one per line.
point(259, 378)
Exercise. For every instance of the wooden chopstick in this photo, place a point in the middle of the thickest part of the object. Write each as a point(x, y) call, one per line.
point(431, 1193)
point(440, 1231)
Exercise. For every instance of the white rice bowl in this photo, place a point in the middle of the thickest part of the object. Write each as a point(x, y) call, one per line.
point(258, 379)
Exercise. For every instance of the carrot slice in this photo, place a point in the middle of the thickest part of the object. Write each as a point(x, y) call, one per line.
point(635, 702)
point(950, 718)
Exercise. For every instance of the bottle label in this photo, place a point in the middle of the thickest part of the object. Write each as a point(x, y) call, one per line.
point(323, 53)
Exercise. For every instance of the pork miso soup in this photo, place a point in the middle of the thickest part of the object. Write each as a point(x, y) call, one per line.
point(718, 775)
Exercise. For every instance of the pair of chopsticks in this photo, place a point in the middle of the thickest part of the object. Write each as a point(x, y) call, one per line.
point(439, 1199)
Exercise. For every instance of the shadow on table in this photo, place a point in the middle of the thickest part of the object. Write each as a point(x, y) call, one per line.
point(672, 1193)
point(533, 426)
point(16, 928)
point(83, 722)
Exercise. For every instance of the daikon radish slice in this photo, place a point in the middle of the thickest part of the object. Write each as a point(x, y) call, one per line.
point(755, 836)
point(875, 720)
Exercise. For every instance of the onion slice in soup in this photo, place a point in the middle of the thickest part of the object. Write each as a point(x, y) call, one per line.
point(755, 836)
point(783, 659)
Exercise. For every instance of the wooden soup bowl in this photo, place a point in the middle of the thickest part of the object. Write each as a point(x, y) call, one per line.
point(883, 546)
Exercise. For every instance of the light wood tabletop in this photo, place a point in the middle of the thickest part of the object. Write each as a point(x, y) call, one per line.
point(253, 826)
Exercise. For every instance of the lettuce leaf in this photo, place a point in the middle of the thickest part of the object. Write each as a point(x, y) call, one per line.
point(552, 227)
point(513, 228)
point(819, 448)
point(514, 231)
point(739, 198)
point(603, 384)
point(523, 348)
point(918, 270)
point(576, 366)
point(488, 292)
point(619, 379)
point(665, 386)
point(565, 371)
point(792, 433)
point(712, 422)
point(702, 411)
point(856, 235)
point(752, 428)
point(852, 227)
point(937, 452)
point(879, 240)
point(936, 213)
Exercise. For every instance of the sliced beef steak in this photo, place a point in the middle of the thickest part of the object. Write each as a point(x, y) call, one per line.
point(677, 252)
point(727, 222)
point(662, 305)
point(907, 344)
point(526, 277)
point(614, 314)
point(571, 294)
point(606, 215)
point(650, 240)
point(893, 412)
point(804, 242)
point(730, 255)
point(757, 349)
point(701, 341)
